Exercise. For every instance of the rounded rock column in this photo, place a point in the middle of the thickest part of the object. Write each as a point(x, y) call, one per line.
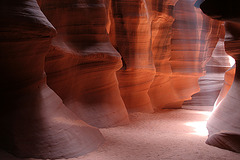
point(33, 120)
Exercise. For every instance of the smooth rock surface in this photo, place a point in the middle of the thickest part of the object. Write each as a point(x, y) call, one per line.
point(131, 35)
point(213, 81)
point(33, 120)
point(82, 63)
point(194, 39)
point(223, 125)
point(162, 92)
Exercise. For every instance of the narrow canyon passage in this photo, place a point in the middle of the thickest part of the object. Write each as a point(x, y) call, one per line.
point(177, 134)
point(119, 80)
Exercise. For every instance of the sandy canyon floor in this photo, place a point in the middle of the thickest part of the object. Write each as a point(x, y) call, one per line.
point(169, 135)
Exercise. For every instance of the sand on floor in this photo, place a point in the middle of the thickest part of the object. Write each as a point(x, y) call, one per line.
point(178, 134)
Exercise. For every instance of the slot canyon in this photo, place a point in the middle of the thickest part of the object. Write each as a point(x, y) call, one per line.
point(119, 80)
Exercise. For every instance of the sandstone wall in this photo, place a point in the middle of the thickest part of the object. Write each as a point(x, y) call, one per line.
point(194, 39)
point(33, 120)
point(82, 63)
point(88, 63)
point(223, 125)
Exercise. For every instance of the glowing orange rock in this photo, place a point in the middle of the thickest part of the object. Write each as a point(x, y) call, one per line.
point(162, 92)
point(82, 64)
point(194, 38)
point(131, 36)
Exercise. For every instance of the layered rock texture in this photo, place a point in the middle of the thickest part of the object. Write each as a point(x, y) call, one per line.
point(161, 63)
point(82, 64)
point(223, 125)
point(194, 39)
point(212, 82)
point(131, 36)
point(33, 120)
point(90, 62)
point(162, 92)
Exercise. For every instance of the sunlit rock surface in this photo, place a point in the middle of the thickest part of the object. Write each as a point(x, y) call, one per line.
point(33, 120)
point(82, 63)
point(162, 92)
point(194, 39)
point(228, 81)
point(212, 82)
point(158, 71)
point(223, 125)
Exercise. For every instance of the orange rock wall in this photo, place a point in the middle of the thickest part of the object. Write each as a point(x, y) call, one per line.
point(88, 63)
point(161, 65)
point(194, 38)
point(131, 35)
point(82, 63)
point(162, 91)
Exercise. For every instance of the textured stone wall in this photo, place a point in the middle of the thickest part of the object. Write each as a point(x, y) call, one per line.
point(82, 63)
point(223, 125)
point(194, 38)
point(90, 62)
point(33, 120)
point(131, 36)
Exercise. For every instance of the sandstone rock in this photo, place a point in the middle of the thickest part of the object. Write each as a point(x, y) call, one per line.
point(142, 34)
point(223, 125)
point(162, 92)
point(211, 84)
point(194, 39)
point(131, 35)
point(228, 81)
point(82, 64)
point(33, 120)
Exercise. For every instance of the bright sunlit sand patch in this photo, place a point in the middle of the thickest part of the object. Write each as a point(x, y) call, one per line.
point(206, 113)
point(199, 127)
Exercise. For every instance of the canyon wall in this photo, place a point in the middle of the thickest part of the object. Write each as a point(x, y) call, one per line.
point(131, 35)
point(195, 37)
point(88, 63)
point(82, 63)
point(33, 120)
point(223, 125)
point(164, 50)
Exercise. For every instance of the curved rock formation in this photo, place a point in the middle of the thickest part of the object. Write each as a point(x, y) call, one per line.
point(223, 125)
point(131, 36)
point(212, 83)
point(162, 92)
point(33, 120)
point(142, 34)
point(228, 81)
point(82, 64)
point(194, 38)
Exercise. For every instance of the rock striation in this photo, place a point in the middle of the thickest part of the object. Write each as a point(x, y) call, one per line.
point(82, 63)
point(212, 82)
point(161, 63)
point(223, 125)
point(33, 120)
point(130, 34)
point(194, 39)
point(162, 92)
point(90, 62)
